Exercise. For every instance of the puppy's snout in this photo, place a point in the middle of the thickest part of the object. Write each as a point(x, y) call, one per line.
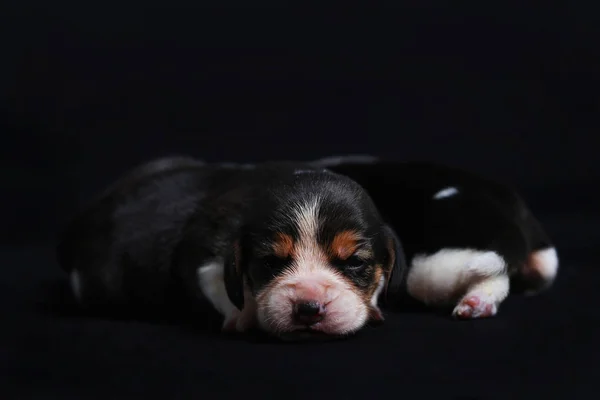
point(309, 312)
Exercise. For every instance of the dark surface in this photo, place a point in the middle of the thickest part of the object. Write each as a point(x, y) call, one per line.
point(511, 93)
point(540, 346)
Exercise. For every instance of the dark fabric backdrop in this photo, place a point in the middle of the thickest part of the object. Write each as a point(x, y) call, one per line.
point(512, 92)
point(88, 91)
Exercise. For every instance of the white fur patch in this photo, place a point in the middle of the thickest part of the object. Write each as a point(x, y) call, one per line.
point(545, 262)
point(375, 298)
point(441, 277)
point(212, 283)
point(447, 192)
point(310, 278)
point(75, 279)
point(306, 217)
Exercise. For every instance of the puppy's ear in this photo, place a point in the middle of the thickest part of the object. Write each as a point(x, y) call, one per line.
point(395, 268)
point(233, 275)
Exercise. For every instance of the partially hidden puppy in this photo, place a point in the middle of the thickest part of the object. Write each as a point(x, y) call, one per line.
point(468, 240)
point(283, 247)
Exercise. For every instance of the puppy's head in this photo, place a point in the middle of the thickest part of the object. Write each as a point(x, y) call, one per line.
point(315, 258)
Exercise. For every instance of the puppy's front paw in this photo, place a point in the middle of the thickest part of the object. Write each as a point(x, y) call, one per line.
point(230, 323)
point(238, 322)
point(475, 306)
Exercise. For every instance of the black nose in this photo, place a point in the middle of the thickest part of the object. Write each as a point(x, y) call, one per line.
point(309, 312)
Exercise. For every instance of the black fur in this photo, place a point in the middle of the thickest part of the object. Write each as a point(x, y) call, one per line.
point(145, 237)
point(485, 215)
point(395, 289)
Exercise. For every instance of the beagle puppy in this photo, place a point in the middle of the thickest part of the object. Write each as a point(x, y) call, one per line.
point(467, 239)
point(283, 247)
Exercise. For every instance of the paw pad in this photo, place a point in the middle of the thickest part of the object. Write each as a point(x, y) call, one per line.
point(475, 307)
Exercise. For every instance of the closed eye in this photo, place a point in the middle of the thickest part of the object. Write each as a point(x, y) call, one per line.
point(351, 263)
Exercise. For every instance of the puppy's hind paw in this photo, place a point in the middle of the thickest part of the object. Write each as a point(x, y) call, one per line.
point(475, 306)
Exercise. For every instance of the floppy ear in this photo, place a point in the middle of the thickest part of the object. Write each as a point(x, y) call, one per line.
point(395, 269)
point(233, 275)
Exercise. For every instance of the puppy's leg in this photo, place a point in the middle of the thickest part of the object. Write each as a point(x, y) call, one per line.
point(471, 246)
point(483, 299)
point(202, 276)
point(475, 282)
point(540, 269)
point(211, 281)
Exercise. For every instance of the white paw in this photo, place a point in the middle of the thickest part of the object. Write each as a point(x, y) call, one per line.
point(230, 323)
point(238, 322)
point(476, 305)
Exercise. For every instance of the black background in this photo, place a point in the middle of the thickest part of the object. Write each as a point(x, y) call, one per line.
point(512, 92)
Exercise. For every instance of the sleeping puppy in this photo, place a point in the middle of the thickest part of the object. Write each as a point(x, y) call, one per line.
point(283, 247)
point(467, 239)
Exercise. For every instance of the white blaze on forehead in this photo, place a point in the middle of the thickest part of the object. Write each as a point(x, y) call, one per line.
point(309, 256)
point(306, 217)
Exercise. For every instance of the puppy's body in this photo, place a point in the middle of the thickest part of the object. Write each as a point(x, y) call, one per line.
point(121, 247)
point(282, 244)
point(467, 239)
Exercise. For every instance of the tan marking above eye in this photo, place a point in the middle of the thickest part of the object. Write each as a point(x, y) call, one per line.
point(283, 246)
point(344, 244)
